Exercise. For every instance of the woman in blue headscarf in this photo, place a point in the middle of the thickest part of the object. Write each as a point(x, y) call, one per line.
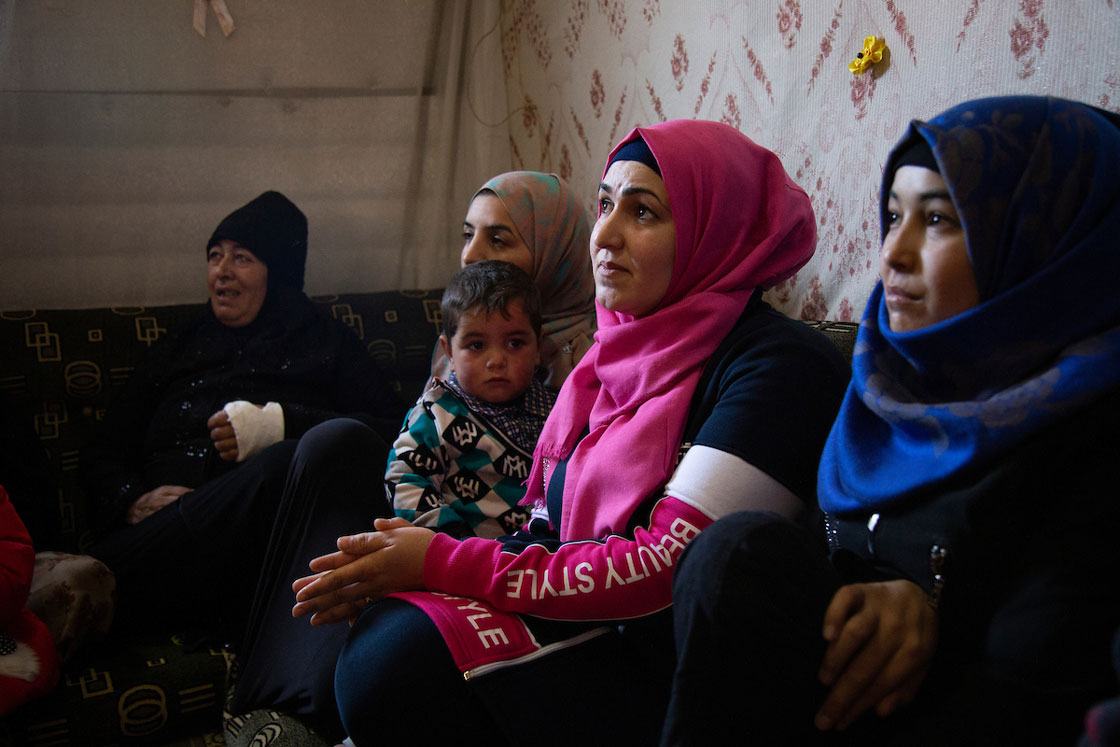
point(965, 588)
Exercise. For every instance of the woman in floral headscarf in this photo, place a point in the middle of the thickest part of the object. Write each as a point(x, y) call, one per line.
point(969, 481)
point(534, 221)
point(697, 399)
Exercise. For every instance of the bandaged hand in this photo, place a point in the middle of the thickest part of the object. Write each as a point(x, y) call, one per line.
point(241, 429)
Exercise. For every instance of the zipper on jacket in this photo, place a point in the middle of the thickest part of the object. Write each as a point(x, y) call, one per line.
point(831, 533)
point(872, 524)
point(938, 556)
point(542, 651)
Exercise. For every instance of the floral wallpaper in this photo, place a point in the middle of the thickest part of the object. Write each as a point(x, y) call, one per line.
point(581, 73)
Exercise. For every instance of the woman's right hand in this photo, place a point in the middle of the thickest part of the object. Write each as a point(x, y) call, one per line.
point(881, 638)
point(367, 567)
point(153, 501)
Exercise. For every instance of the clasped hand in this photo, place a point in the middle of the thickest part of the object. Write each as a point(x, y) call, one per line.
point(881, 638)
point(153, 501)
point(367, 567)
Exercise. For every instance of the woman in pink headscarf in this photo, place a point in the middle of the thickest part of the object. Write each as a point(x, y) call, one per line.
point(696, 400)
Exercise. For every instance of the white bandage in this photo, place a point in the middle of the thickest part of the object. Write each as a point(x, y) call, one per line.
point(254, 427)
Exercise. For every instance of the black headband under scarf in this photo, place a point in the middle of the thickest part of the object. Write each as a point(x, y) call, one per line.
point(273, 229)
point(636, 150)
point(918, 153)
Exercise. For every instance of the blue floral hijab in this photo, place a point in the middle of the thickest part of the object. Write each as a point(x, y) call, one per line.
point(1036, 183)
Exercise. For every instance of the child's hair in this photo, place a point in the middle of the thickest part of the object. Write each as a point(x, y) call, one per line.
point(492, 284)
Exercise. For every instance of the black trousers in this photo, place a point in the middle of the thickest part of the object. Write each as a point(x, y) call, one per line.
point(749, 596)
point(189, 560)
point(230, 551)
point(749, 600)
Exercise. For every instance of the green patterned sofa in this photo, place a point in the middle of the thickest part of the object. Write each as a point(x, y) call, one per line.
point(64, 367)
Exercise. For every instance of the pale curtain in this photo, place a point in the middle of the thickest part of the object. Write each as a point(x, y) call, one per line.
point(125, 137)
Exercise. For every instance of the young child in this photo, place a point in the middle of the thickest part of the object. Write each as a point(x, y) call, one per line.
point(460, 463)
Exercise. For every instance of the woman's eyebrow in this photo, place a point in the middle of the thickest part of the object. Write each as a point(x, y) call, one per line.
point(603, 186)
point(490, 227)
point(940, 194)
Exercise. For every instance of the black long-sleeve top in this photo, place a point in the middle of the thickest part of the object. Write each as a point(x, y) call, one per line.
point(155, 431)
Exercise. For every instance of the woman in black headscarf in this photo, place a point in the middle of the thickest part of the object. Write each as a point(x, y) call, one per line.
point(189, 463)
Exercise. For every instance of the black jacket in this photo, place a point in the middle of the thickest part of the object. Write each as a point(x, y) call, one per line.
point(155, 431)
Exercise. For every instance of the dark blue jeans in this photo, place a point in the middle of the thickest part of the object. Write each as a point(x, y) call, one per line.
point(396, 680)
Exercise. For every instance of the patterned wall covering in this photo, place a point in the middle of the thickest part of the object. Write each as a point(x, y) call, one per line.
point(581, 73)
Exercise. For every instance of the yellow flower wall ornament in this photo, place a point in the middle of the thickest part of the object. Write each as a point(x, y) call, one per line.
point(873, 49)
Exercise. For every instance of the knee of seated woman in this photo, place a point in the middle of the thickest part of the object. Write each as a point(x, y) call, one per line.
point(739, 545)
point(393, 652)
point(338, 438)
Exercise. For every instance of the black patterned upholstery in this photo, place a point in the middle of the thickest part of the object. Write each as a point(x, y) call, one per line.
point(841, 334)
point(65, 366)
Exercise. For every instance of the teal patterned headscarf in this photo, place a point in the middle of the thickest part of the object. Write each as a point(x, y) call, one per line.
point(1034, 181)
point(555, 227)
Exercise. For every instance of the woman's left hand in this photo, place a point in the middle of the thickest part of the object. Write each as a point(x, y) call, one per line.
point(367, 567)
point(881, 638)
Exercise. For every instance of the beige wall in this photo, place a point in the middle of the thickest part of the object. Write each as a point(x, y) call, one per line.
point(582, 73)
point(125, 137)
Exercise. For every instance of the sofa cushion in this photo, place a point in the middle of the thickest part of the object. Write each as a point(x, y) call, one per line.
point(64, 366)
point(149, 689)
